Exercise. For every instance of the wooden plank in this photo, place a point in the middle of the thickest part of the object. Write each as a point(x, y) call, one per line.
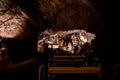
point(69, 56)
point(69, 60)
point(74, 70)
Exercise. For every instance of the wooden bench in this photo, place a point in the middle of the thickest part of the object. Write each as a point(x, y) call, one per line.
point(69, 65)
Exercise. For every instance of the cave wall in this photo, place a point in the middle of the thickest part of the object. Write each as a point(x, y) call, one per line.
point(64, 14)
point(96, 16)
point(70, 14)
point(56, 15)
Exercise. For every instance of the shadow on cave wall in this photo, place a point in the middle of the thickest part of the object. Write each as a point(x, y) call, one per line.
point(64, 14)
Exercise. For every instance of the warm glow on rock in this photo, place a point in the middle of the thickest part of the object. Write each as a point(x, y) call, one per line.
point(65, 40)
point(12, 21)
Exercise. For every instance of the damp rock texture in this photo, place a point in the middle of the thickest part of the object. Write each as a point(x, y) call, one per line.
point(13, 21)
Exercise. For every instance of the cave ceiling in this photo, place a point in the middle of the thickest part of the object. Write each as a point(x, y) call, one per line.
point(62, 14)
